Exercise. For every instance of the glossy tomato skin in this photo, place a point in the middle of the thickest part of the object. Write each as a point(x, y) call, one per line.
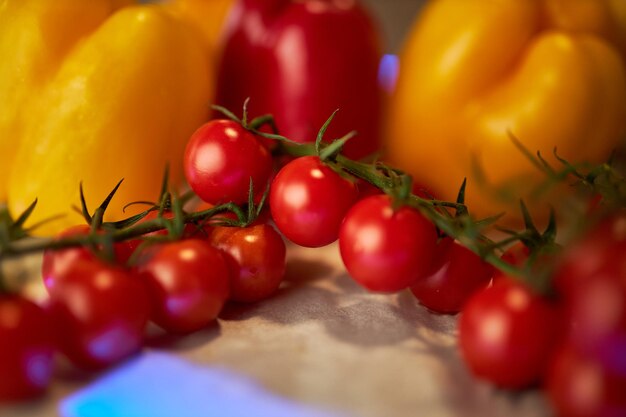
point(188, 283)
point(516, 255)
point(507, 334)
point(124, 253)
point(56, 262)
point(220, 159)
point(600, 252)
point(256, 259)
point(386, 250)
point(309, 200)
point(454, 275)
point(102, 311)
point(579, 386)
point(591, 279)
point(26, 349)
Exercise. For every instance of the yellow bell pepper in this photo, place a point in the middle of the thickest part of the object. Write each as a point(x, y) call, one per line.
point(34, 38)
point(550, 72)
point(207, 15)
point(100, 95)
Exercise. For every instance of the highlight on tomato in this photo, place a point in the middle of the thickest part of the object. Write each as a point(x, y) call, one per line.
point(27, 347)
point(187, 282)
point(508, 333)
point(386, 249)
point(102, 311)
point(255, 256)
point(309, 200)
point(221, 159)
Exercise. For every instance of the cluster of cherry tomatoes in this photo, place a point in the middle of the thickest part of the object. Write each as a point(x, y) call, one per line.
point(573, 337)
point(570, 337)
point(98, 311)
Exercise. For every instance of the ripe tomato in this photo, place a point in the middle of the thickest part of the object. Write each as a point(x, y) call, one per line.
point(454, 275)
point(507, 334)
point(591, 278)
point(601, 252)
point(262, 218)
point(127, 248)
point(579, 386)
point(309, 200)
point(188, 283)
point(386, 250)
point(102, 311)
point(256, 259)
point(221, 158)
point(56, 262)
point(516, 255)
point(26, 349)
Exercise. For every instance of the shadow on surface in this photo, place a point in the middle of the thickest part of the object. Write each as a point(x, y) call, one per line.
point(159, 339)
point(348, 312)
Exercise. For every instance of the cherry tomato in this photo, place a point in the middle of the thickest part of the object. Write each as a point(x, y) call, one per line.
point(454, 275)
point(57, 262)
point(507, 334)
point(26, 349)
point(516, 255)
point(366, 189)
point(601, 252)
point(221, 158)
point(579, 386)
point(263, 217)
point(386, 250)
point(130, 246)
point(309, 200)
point(188, 283)
point(591, 278)
point(256, 258)
point(102, 311)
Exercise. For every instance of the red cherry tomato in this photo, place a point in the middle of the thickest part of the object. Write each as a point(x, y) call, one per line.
point(591, 278)
point(516, 255)
point(256, 258)
point(221, 158)
point(507, 334)
point(309, 200)
point(128, 247)
point(56, 262)
point(26, 349)
point(263, 217)
point(601, 252)
point(579, 386)
point(188, 282)
point(102, 311)
point(454, 275)
point(386, 250)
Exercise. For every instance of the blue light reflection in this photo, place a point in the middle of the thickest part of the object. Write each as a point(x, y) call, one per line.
point(162, 385)
point(388, 70)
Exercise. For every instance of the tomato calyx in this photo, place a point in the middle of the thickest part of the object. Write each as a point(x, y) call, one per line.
point(535, 269)
point(255, 124)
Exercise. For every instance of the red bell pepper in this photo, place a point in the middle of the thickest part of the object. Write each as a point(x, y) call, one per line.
point(300, 60)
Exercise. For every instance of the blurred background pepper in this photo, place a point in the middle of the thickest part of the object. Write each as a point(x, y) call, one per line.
point(95, 97)
point(551, 72)
point(94, 102)
point(301, 60)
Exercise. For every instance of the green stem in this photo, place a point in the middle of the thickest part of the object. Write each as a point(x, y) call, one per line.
point(94, 240)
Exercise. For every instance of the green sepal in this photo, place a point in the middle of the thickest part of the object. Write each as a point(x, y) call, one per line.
point(322, 132)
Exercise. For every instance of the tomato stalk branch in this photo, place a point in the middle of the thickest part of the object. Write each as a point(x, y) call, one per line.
point(18, 248)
